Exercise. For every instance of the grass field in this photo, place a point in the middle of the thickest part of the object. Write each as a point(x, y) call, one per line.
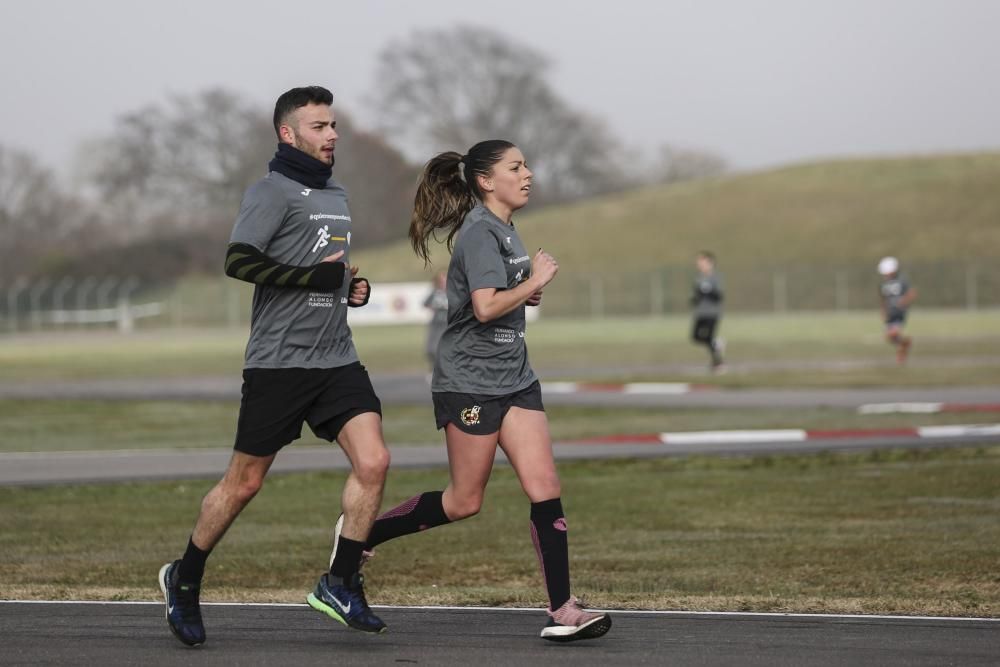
point(952, 347)
point(885, 532)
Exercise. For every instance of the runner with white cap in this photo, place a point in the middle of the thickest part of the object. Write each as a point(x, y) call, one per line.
point(896, 295)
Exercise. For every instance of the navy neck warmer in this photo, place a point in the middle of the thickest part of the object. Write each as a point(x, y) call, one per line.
point(301, 167)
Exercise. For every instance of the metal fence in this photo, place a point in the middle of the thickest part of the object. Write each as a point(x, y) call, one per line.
point(124, 302)
point(783, 289)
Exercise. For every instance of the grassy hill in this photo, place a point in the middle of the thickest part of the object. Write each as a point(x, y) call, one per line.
point(804, 237)
point(838, 213)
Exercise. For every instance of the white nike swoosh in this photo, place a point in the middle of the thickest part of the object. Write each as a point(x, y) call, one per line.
point(170, 609)
point(346, 610)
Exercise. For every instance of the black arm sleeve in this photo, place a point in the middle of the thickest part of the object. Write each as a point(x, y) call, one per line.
point(244, 262)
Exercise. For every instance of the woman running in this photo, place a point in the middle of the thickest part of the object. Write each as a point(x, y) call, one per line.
point(485, 392)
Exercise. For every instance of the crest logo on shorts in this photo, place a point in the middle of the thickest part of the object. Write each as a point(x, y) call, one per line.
point(470, 416)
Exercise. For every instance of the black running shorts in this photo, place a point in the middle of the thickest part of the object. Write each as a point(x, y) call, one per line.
point(276, 401)
point(895, 320)
point(703, 330)
point(476, 414)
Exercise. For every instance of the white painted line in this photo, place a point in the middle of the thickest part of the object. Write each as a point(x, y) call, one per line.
point(958, 431)
point(765, 614)
point(707, 437)
point(891, 408)
point(559, 387)
point(671, 388)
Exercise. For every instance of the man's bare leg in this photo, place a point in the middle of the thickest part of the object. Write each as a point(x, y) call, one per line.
point(220, 507)
point(180, 580)
point(362, 442)
point(340, 593)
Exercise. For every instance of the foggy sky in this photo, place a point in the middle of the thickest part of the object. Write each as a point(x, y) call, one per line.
point(761, 82)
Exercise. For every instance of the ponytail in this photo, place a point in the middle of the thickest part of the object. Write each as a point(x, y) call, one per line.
point(442, 200)
point(448, 190)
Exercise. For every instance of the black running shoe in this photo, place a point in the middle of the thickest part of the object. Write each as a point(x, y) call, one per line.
point(183, 607)
point(345, 602)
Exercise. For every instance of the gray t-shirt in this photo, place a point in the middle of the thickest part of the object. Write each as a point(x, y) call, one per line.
point(707, 295)
point(475, 358)
point(437, 301)
point(295, 327)
point(893, 290)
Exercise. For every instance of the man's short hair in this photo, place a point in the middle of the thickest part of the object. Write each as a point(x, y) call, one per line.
point(710, 256)
point(296, 98)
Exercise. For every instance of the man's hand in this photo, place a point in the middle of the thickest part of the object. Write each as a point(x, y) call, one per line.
point(535, 299)
point(359, 289)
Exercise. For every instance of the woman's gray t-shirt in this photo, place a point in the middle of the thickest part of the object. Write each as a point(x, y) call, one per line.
point(476, 358)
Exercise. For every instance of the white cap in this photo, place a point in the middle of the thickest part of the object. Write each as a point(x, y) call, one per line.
point(888, 265)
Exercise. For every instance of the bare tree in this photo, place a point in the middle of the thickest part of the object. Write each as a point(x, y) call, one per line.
point(42, 227)
point(447, 89)
point(171, 176)
point(186, 164)
point(379, 181)
point(190, 158)
point(30, 212)
point(26, 191)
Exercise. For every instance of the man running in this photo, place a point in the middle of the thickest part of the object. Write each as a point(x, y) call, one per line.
point(292, 240)
point(707, 302)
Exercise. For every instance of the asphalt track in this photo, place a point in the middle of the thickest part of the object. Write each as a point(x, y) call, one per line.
point(136, 634)
point(33, 469)
point(412, 389)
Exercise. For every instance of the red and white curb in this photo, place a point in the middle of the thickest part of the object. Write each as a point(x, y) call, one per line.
point(658, 388)
point(799, 435)
point(925, 408)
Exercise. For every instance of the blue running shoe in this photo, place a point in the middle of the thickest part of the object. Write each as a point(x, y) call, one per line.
point(183, 607)
point(345, 602)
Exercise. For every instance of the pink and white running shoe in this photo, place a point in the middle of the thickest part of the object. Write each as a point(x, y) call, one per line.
point(571, 622)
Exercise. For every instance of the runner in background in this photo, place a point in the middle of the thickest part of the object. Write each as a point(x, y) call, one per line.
point(896, 296)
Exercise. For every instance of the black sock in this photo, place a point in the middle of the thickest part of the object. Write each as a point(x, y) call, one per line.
point(416, 514)
point(348, 558)
point(192, 567)
point(548, 532)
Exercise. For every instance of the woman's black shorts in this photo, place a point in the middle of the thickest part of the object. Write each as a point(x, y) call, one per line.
point(477, 414)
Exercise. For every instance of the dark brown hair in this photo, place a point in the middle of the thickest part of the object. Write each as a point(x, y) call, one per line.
point(448, 189)
point(296, 98)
